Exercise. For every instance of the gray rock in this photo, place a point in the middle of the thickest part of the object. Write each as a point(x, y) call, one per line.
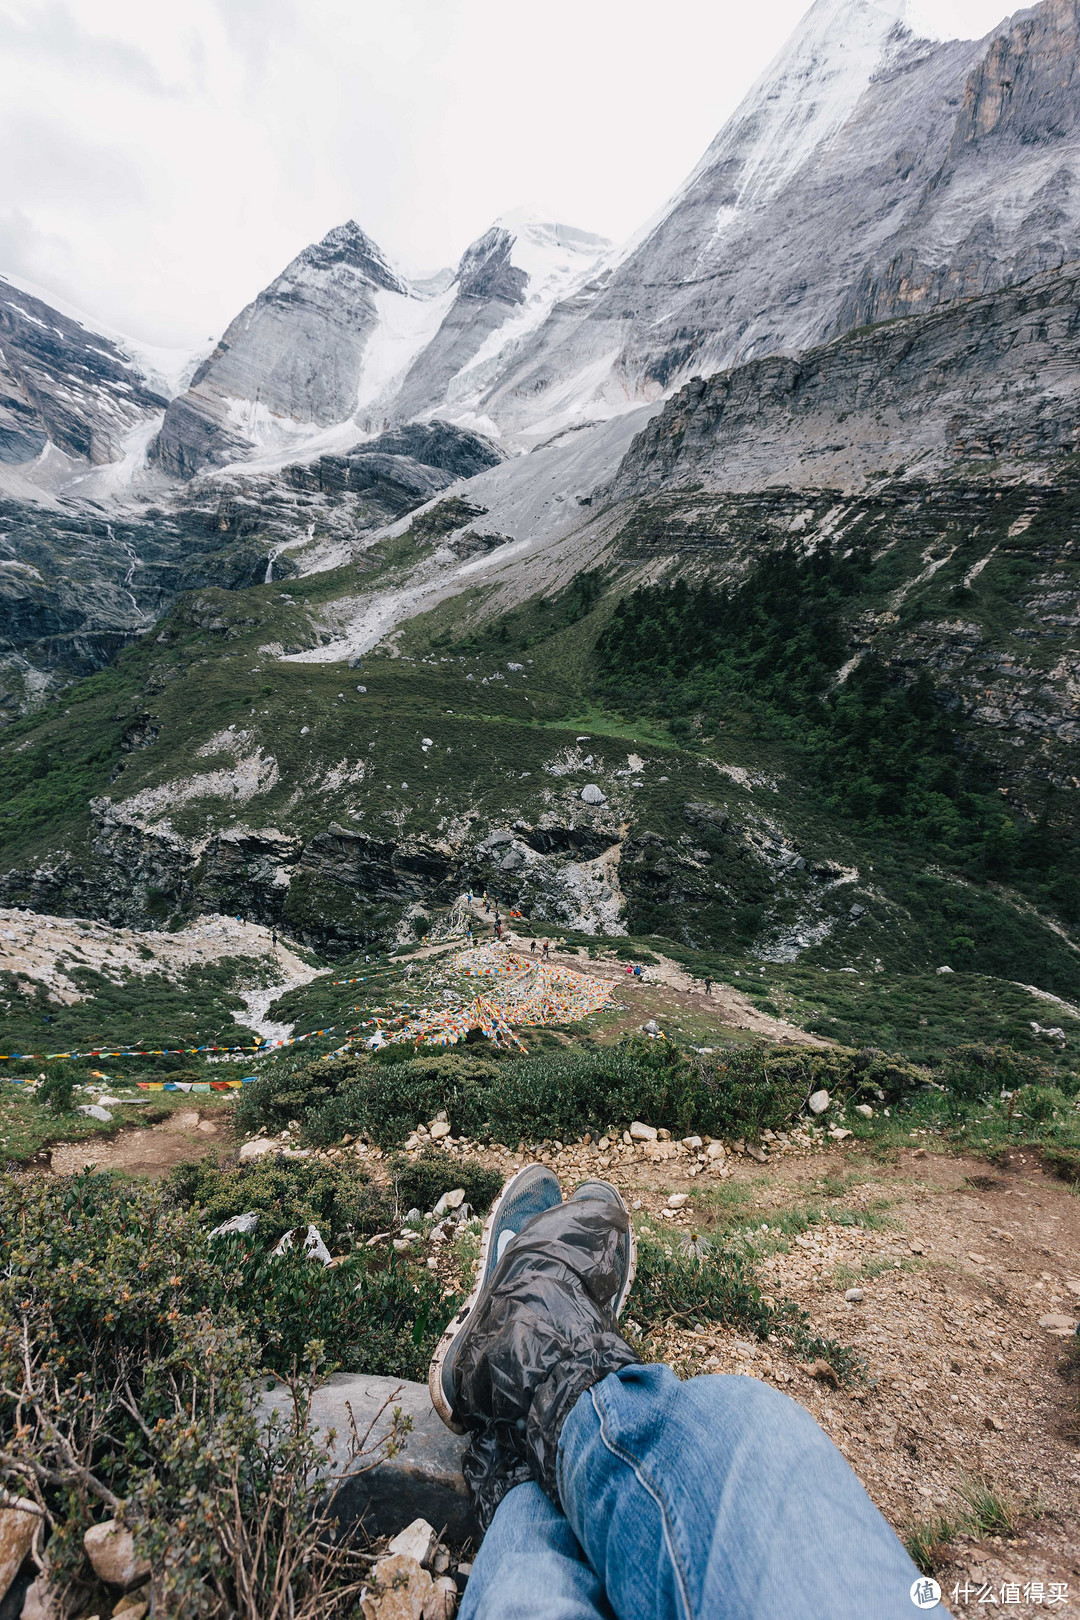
point(865, 1110)
point(854, 1296)
point(314, 1247)
point(591, 794)
point(818, 1102)
point(110, 1548)
point(93, 1111)
point(424, 1480)
point(238, 1223)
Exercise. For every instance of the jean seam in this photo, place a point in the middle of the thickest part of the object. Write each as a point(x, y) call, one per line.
point(653, 1490)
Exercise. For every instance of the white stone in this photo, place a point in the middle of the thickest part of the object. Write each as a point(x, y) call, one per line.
point(314, 1247)
point(39, 1602)
point(838, 1133)
point(438, 1129)
point(692, 1142)
point(17, 1527)
point(418, 1540)
point(591, 794)
point(677, 1200)
point(256, 1149)
point(642, 1133)
point(715, 1150)
point(1058, 1323)
point(450, 1200)
point(92, 1111)
point(818, 1103)
point(942, 970)
point(238, 1223)
point(865, 1110)
point(111, 1550)
point(854, 1296)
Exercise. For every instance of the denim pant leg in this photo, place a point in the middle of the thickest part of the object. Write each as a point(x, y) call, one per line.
point(531, 1567)
point(721, 1499)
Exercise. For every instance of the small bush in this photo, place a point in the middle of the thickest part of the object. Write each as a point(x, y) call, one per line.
point(1040, 1104)
point(131, 1351)
point(339, 1199)
point(57, 1091)
point(971, 1072)
point(721, 1287)
point(560, 1094)
point(421, 1182)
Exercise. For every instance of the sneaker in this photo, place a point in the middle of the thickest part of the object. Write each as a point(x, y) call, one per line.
point(626, 1253)
point(528, 1193)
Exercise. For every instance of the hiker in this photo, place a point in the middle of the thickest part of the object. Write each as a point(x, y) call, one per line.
point(609, 1487)
point(273, 938)
point(532, 947)
point(708, 985)
point(544, 952)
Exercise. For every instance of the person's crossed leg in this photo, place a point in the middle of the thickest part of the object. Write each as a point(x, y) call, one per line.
point(606, 1487)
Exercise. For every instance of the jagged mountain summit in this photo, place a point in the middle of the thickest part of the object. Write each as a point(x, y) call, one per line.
point(871, 171)
point(341, 340)
point(293, 360)
point(506, 284)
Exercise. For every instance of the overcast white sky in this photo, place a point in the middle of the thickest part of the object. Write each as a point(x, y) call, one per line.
point(162, 162)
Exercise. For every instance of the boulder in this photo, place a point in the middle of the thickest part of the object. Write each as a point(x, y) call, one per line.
point(591, 794)
point(1055, 1322)
point(256, 1148)
point(424, 1480)
point(238, 1223)
point(449, 1200)
point(314, 1247)
point(110, 1548)
point(400, 1589)
point(642, 1133)
point(17, 1527)
point(818, 1102)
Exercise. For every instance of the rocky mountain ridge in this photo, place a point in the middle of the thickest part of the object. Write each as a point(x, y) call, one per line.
point(869, 173)
point(65, 387)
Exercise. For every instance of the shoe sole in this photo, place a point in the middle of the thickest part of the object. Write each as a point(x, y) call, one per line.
point(631, 1269)
point(455, 1326)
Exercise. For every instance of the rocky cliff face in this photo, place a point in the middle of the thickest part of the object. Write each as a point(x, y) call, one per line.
point(972, 229)
point(290, 361)
point(990, 381)
point(869, 173)
point(65, 386)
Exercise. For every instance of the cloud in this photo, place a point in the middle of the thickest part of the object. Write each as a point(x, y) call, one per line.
point(170, 160)
point(51, 33)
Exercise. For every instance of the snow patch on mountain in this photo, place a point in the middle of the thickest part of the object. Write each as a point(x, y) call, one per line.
point(407, 323)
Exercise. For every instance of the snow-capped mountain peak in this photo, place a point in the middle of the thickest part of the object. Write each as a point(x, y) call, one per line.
point(345, 249)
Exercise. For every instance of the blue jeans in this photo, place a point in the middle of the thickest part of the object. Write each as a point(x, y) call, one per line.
point(714, 1499)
